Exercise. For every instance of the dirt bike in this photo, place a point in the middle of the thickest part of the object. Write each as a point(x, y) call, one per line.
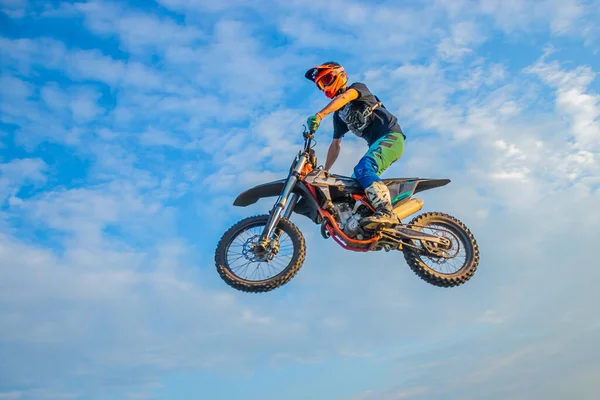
point(252, 255)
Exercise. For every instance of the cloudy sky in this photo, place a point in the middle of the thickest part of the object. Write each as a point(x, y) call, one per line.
point(128, 128)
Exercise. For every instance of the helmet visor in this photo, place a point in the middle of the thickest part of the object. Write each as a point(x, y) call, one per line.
point(326, 80)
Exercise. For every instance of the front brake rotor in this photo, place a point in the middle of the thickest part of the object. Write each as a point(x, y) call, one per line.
point(253, 253)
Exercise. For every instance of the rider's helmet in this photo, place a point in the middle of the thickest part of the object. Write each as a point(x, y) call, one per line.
point(330, 77)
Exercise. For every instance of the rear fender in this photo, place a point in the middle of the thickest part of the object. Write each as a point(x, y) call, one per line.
point(426, 184)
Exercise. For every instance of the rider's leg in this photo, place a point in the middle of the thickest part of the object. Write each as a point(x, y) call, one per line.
point(381, 154)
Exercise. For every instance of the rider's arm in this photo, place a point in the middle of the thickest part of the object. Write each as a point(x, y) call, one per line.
point(333, 152)
point(339, 102)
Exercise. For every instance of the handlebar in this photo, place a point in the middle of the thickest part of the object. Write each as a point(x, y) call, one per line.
point(308, 138)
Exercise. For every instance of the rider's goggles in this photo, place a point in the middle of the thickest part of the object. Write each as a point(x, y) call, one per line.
point(325, 80)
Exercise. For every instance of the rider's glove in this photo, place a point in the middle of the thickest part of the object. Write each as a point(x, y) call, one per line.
point(313, 123)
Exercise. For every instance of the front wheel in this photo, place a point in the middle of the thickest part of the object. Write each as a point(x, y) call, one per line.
point(447, 266)
point(247, 267)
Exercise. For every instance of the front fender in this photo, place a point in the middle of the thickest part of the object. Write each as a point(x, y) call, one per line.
point(306, 206)
point(252, 195)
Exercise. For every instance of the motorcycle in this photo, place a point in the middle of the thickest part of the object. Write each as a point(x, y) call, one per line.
point(264, 252)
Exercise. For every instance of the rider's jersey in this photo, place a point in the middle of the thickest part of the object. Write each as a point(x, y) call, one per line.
point(366, 117)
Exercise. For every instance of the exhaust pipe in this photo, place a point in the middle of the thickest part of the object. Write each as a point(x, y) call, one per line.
point(408, 208)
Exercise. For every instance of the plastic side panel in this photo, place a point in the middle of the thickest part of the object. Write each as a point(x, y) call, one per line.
point(401, 190)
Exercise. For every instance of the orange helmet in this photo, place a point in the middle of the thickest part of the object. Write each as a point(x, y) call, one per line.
point(330, 77)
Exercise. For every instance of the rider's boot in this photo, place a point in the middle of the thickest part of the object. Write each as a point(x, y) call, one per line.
point(379, 196)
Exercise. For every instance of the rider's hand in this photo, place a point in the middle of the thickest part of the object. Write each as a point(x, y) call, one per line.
point(313, 123)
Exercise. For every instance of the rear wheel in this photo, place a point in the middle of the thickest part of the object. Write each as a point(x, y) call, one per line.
point(445, 266)
point(245, 266)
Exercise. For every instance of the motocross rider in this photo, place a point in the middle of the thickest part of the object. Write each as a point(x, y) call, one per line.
point(357, 110)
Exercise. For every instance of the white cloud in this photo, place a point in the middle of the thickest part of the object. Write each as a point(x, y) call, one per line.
point(200, 6)
point(131, 285)
point(154, 137)
point(84, 105)
point(406, 29)
point(310, 34)
point(574, 100)
point(568, 15)
point(233, 46)
point(15, 89)
point(115, 260)
point(463, 35)
point(54, 97)
point(14, 8)
point(396, 394)
point(18, 172)
point(27, 54)
point(492, 317)
point(525, 15)
point(523, 149)
point(49, 112)
point(137, 31)
point(132, 302)
point(11, 395)
point(93, 65)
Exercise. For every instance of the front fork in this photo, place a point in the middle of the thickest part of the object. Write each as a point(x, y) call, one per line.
point(286, 198)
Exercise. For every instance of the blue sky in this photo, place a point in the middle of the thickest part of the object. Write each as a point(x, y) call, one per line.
point(128, 128)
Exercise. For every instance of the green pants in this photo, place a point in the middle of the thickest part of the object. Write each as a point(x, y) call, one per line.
point(381, 154)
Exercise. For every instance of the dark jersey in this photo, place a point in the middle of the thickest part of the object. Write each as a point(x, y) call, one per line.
point(355, 117)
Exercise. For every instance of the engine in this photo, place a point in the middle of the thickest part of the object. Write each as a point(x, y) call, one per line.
point(349, 218)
